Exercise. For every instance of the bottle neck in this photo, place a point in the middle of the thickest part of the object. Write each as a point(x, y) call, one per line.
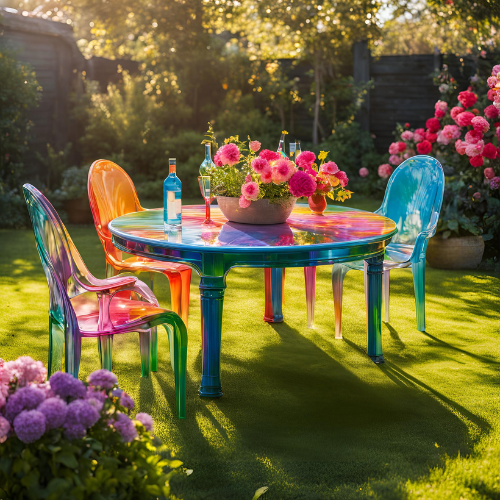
point(172, 169)
point(208, 152)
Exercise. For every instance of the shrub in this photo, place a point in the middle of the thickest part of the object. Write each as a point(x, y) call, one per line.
point(67, 439)
point(13, 211)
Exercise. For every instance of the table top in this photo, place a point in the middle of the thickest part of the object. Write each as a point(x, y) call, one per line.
point(338, 227)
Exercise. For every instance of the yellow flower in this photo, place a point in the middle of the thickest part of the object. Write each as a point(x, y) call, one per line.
point(322, 155)
point(284, 132)
point(333, 181)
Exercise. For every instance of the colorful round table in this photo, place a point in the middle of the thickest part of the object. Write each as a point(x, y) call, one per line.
point(341, 234)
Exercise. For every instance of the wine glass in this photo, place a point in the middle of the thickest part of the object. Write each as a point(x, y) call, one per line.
point(206, 192)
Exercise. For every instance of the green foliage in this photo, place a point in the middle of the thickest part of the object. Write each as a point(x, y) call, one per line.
point(13, 212)
point(19, 91)
point(74, 184)
point(54, 165)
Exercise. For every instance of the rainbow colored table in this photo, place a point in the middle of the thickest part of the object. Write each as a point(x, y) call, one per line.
point(341, 234)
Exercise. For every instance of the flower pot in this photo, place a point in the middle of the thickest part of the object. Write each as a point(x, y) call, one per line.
point(78, 211)
point(317, 204)
point(465, 252)
point(259, 212)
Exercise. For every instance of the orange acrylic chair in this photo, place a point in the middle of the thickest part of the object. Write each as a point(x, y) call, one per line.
point(111, 194)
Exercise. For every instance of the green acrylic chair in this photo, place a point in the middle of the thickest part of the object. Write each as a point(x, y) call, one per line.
point(413, 201)
point(84, 306)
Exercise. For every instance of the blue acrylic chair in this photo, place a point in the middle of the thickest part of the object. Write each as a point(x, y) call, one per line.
point(413, 201)
point(82, 305)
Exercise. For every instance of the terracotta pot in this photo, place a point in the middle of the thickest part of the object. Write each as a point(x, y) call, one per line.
point(78, 211)
point(455, 253)
point(317, 204)
point(259, 212)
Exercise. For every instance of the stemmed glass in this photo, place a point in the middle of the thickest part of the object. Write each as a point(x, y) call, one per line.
point(206, 192)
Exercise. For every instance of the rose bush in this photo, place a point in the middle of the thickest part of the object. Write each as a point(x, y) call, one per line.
point(64, 438)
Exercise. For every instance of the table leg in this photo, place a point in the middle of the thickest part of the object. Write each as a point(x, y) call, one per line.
point(273, 283)
point(212, 300)
point(310, 278)
point(374, 308)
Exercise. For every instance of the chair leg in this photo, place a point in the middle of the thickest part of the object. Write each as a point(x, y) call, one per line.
point(418, 270)
point(144, 344)
point(310, 278)
point(338, 273)
point(178, 354)
point(153, 334)
point(56, 347)
point(386, 279)
point(180, 287)
point(72, 351)
point(105, 346)
point(273, 290)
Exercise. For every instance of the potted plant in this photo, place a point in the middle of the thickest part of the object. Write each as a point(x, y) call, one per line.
point(464, 135)
point(73, 194)
point(255, 186)
point(64, 438)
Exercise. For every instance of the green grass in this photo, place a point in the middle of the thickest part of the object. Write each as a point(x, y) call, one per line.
point(302, 413)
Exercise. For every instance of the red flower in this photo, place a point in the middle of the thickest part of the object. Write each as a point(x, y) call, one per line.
point(496, 124)
point(433, 125)
point(424, 147)
point(269, 155)
point(429, 136)
point(464, 119)
point(491, 94)
point(407, 125)
point(439, 113)
point(401, 146)
point(491, 112)
point(301, 184)
point(476, 161)
point(467, 99)
point(489, 151)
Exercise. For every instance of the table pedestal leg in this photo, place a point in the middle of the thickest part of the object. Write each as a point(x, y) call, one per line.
point(374, 308)
point(273, 282)
point(310, 278)
point(212, 300)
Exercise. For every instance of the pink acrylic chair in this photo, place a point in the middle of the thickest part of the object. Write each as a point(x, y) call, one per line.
point(84, 306)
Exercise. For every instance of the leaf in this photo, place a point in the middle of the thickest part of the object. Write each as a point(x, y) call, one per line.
point(260, 492)
point(68, 459)
point(453, 225)
point(58, 485)
point(5, 465)
point(446, 235)
point(487, 237)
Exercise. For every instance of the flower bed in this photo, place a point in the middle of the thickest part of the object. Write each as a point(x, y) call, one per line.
point(64, 437)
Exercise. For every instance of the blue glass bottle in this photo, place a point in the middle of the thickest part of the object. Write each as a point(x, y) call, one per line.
point(281, 147)
point(207, 162)
point(172, 192)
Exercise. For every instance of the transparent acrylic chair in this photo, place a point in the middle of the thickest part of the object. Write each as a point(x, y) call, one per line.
point(111, 194)
point(413, 201)
point(84, 306)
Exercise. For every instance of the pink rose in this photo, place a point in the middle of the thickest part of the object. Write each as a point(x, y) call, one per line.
point(480, 124)
point(395, 160)
point(394, 148)
point(269, 155)
point(329, 168)
point(407, 135)
point(495, 70)
point(464, 119)
point(491, 94)
point(476, 161)
point(384, 171)
point(460, 147)
point(473, 137)
point(267, 176)
point(476, 195)
point(419, 135)
point(342, 177)
point(474, 149)
point(439, 113)
point(442, 105)
point(301, 184)
point(489, 151)
point(229, 154)
point(282, 171)
point(489, 173)
point(363, 172)
point(217, 160)
point(260, 165)
point(491, 112)
point(455, 111)
point(305, 159)
point(492, 81)
point(250, 190)
point(254, 146)
point(244, 202)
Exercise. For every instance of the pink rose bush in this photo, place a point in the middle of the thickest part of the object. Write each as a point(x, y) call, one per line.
point(246, 171)
point(76, 425)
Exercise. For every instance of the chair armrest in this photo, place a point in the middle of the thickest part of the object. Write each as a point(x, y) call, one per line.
point(423, 236)
point(115, 283)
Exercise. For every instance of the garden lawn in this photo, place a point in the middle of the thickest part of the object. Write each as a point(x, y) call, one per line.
point(308, 416)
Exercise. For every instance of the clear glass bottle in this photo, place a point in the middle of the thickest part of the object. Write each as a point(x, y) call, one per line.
point(281, 147)
point(172, 201)
point(292, 149)
point(207, 162)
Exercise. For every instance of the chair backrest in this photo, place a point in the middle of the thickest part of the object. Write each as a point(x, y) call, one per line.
point(111, 194)
point(62, 264)
point(413, 195)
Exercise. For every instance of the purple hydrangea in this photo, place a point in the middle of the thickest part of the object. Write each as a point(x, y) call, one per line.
point(81, 412)
point(74, 431)
point(98, 405)
point(65, 386)
point(4, 428)
point(125, 400)
point(146, 420)
point(125, 427)
point(103, 379)
point(25, 398)
point(495, 183)
point(93, 393)
point(55, 410)
point(29, 426)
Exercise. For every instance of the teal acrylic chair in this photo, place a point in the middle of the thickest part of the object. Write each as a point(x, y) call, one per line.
point(83, 306)
point(413, 201)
